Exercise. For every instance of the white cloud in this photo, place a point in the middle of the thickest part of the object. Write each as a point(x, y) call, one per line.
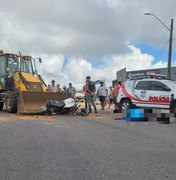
point(52, 64)
point(76, 69)
point(84, 30)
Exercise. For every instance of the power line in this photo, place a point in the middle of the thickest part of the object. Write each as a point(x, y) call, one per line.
point(160, 45)
point(161, 50)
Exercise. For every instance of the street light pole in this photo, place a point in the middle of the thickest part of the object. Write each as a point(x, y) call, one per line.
point(168, 72)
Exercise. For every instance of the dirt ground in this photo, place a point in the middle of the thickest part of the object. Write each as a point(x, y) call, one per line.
point(106, 114)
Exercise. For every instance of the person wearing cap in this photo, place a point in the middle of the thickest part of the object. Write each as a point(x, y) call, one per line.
point(102, 93)
point(53, 87)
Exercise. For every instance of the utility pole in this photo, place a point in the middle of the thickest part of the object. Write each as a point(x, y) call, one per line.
point(168, 74)
point(168, 71)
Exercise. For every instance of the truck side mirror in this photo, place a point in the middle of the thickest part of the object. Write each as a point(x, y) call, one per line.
point(40, 60)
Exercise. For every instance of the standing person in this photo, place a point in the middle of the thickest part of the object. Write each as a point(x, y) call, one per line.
point(53, 87)
point(90, 93)
point(116, 92)
point(71, 90)
point(111, 96)
point(64, 89)
point(58, 88)
point(102, 93)
point(48, 88)
point(85, 98)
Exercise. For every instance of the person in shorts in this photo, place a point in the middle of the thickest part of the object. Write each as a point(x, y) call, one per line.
point(102, 93)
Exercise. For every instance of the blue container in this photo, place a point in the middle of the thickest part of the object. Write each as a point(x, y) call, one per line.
point(134, 115)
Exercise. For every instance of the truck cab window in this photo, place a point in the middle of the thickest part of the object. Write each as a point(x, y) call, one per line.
point(143, 85)
point(158, 86)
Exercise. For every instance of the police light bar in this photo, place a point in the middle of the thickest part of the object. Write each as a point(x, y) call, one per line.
point(154, 75)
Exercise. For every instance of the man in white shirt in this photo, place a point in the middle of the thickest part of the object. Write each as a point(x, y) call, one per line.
point(102, 93)
point(53, 87)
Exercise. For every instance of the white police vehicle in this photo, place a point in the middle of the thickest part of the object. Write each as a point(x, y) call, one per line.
point(148, 92)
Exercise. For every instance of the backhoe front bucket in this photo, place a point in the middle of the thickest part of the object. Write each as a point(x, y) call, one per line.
point(31, 102)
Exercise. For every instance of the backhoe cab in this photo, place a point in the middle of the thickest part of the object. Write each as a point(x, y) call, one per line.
point(21, 88)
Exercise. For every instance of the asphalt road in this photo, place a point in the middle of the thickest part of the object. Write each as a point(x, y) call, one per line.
point(77, 148)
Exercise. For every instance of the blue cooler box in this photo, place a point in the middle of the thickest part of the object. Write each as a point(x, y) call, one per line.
point(134, 115)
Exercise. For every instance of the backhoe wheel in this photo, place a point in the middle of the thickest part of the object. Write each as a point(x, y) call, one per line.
point(11, 102)
point(1, 106)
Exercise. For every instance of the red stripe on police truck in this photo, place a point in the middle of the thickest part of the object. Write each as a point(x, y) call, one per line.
point(130, 96)
point(163, 100)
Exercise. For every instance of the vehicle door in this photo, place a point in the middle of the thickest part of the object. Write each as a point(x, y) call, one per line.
point(159, 95)
point(142, 93)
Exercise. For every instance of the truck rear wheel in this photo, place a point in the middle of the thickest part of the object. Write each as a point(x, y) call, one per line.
point(11, 102)
point(126, 104)
point(1, 106)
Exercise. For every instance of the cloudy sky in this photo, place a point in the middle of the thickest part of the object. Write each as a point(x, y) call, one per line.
point(76, 38)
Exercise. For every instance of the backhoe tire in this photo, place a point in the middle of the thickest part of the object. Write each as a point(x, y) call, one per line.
point(11, 102)
point(1, 106)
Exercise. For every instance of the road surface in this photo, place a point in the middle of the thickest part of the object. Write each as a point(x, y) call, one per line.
point(85, 148)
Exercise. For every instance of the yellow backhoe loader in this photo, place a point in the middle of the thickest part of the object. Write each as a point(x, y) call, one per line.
point(22, 89)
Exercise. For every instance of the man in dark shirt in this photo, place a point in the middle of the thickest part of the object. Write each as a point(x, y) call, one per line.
point(91, 93)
